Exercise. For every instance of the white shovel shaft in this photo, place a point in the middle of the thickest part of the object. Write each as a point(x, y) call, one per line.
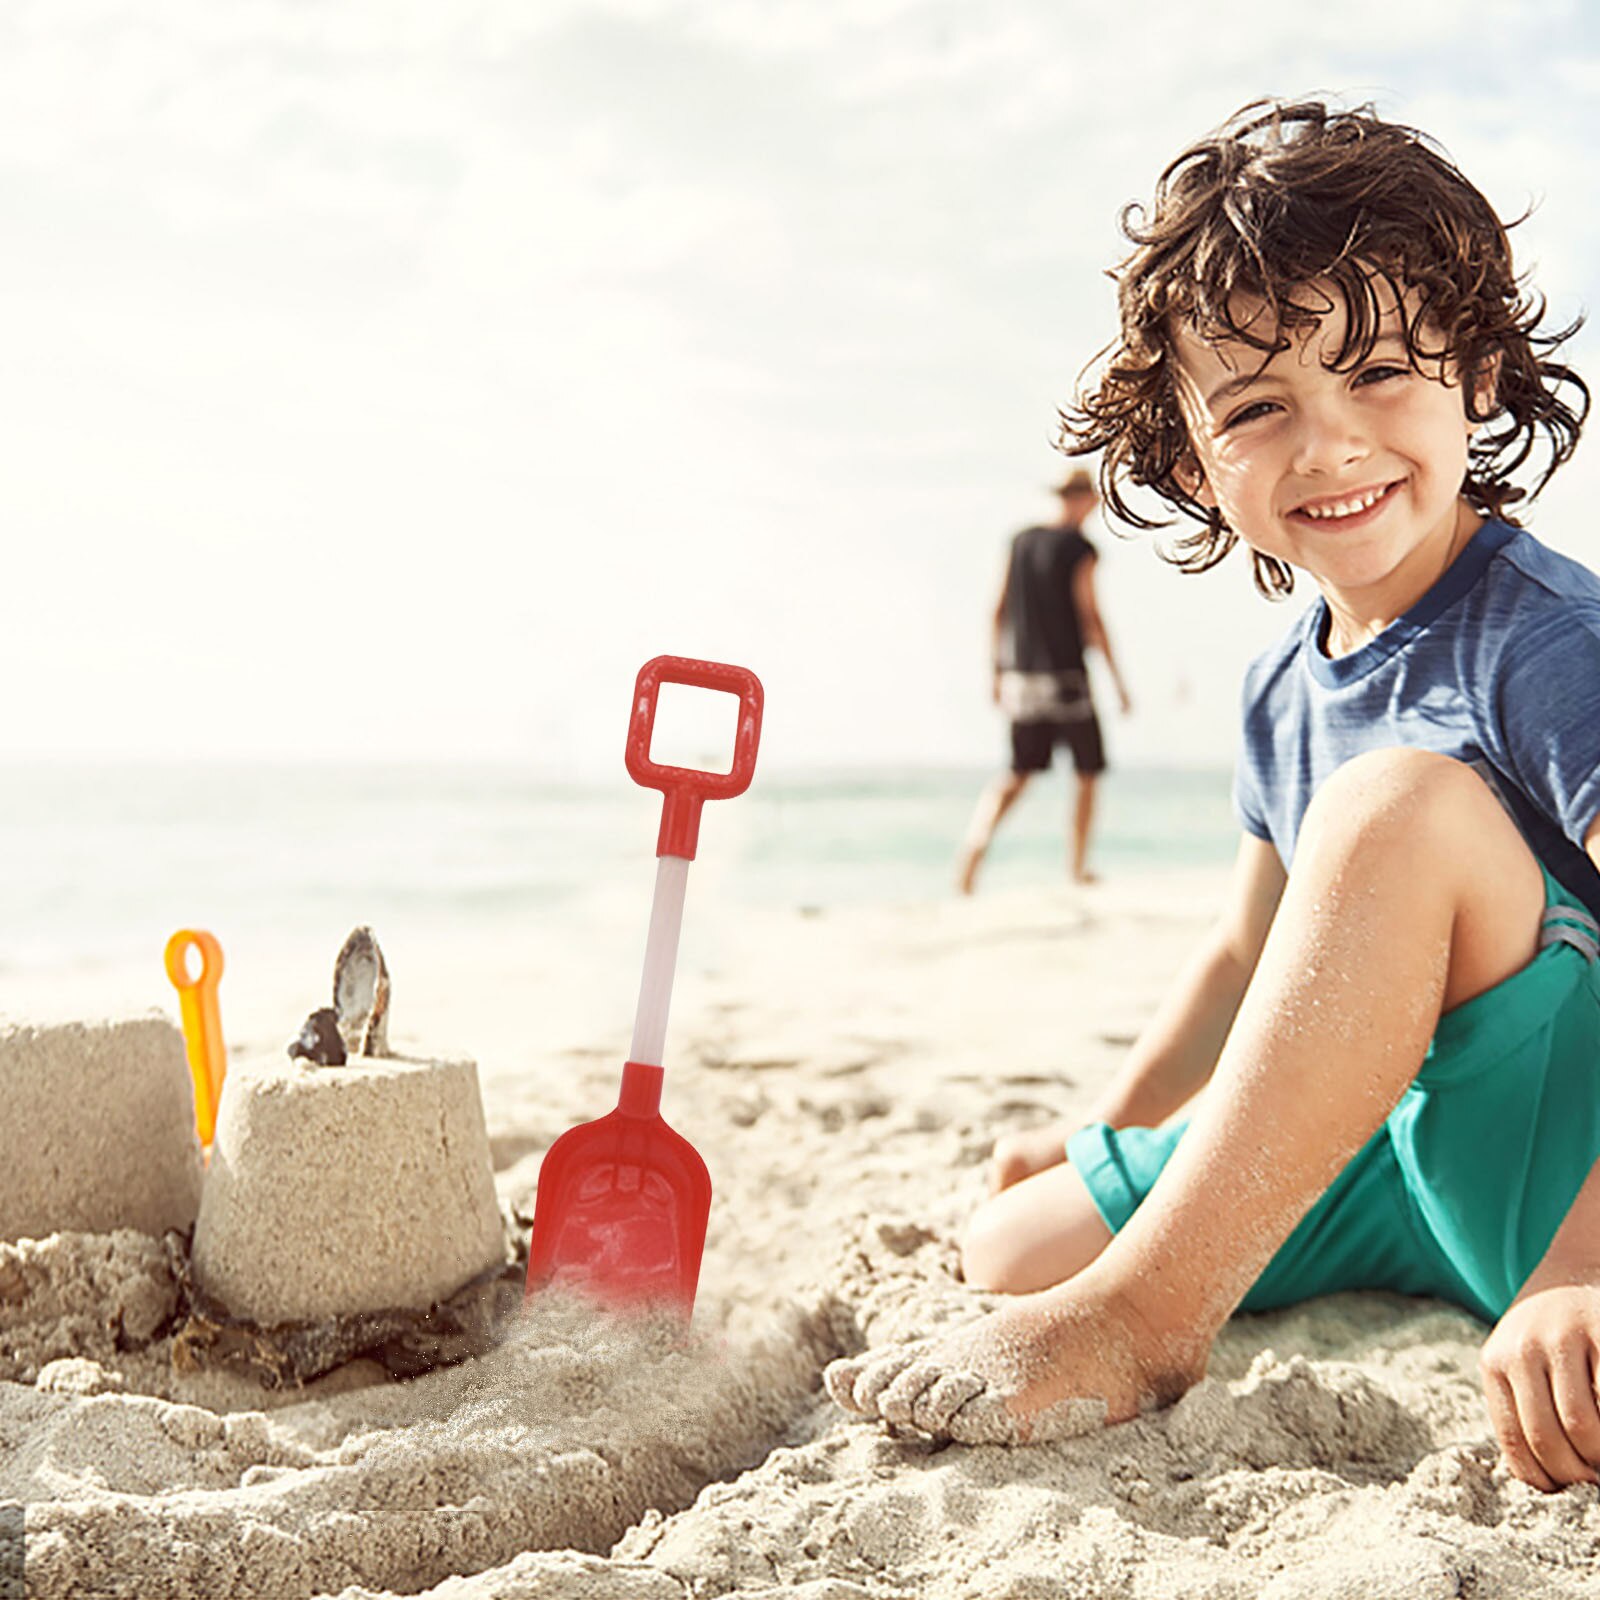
point(660, 961)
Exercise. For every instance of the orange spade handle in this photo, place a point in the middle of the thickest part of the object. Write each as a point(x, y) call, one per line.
point(202, 1022)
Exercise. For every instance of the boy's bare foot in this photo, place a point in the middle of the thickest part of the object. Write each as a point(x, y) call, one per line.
point(1044, 1366)
point(1020, 1155)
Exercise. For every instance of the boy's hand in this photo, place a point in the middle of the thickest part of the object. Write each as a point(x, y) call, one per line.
point(1539, 1371)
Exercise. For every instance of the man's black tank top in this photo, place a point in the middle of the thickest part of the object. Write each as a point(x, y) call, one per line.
point(1041, 618)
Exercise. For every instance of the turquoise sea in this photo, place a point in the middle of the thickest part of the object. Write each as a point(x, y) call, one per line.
point(102, 862)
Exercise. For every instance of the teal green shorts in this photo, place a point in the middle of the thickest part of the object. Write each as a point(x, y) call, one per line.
point(1461, 1190)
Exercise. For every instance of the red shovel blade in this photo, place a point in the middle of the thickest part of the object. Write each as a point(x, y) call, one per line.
point(622, 1205)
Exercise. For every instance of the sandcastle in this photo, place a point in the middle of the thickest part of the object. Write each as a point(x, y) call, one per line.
point(99, 1129)
point(343, 1183)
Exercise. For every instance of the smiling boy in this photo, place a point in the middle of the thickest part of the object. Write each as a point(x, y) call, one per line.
point(1325, 355)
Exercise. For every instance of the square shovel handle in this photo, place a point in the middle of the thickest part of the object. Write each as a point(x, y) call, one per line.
point(684, 789)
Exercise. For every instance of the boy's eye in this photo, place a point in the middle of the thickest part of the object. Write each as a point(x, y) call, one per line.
point(1381, 373)
point(1249, 413)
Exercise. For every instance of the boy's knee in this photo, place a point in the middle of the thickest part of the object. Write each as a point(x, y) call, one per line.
point(1413, 797)
point(1430, 827)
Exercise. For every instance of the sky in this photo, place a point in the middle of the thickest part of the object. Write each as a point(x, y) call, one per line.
point(388, 381)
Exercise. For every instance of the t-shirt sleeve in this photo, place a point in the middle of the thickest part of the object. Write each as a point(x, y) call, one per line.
point(1249, 802)
point(1548, 714)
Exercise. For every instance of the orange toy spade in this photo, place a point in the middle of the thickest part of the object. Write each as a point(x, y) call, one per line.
point(622, 1203)
point(202, 1021)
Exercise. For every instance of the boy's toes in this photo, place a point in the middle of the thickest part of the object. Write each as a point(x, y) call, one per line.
point(982, 1418)
point(1067, 1419)
point(856, 1382)
point(898, 1402)
point(839, 1379)
point(985, 1418)
point(938, 1405)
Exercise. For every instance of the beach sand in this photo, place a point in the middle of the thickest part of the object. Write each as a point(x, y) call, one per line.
point(844, 1073)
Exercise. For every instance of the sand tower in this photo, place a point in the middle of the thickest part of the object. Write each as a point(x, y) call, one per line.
point(98, 1129)
point(344, 1178)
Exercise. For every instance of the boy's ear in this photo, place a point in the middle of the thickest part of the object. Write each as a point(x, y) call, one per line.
point(1190, 476)
point(1485, 392)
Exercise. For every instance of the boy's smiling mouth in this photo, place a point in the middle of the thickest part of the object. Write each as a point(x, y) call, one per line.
point(1346, 510)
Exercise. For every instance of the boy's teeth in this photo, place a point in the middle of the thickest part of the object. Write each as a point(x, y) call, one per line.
point(1345, 508)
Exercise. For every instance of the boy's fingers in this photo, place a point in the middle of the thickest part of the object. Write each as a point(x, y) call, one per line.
point(1572, 1381)
point(1508, 1430)
point(1533, 1393)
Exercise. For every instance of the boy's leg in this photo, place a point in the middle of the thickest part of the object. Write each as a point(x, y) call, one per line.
point(1033, 1234)
point(993, 804)
point(1411, 892)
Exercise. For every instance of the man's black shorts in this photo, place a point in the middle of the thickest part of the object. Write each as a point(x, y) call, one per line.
point(1032, 742)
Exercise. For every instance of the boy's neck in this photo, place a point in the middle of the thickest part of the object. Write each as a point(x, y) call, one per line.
point(1356, 619)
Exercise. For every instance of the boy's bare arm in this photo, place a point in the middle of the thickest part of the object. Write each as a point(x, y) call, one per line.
point(1176, 1054)
point(1539, 1362)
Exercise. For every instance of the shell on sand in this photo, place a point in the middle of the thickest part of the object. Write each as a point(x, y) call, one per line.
point(319, 1040)
point(361, 995)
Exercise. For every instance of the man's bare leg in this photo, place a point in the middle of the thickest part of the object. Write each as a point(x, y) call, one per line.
point(993, 804)
point(1082, 822)
point(1411, 892)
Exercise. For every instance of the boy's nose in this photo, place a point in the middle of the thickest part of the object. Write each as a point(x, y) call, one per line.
point(1328, 438)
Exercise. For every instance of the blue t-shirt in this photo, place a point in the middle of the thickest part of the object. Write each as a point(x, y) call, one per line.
point(1497, 665)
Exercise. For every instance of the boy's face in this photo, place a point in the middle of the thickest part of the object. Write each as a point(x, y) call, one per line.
point(1354, 477)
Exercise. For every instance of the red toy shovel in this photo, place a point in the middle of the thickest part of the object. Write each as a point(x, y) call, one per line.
point(622, 1202)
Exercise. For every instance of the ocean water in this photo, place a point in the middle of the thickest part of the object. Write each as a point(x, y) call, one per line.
point(102, 863)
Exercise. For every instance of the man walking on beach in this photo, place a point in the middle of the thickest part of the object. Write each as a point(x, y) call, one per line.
point(1045, 616)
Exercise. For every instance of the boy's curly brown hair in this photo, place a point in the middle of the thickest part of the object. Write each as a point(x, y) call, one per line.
point(1283, 195)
